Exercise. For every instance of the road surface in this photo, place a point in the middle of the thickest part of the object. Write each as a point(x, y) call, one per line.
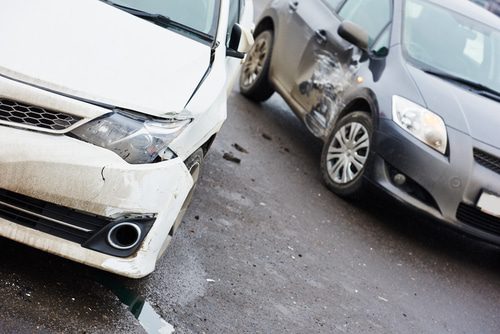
point(265, 248)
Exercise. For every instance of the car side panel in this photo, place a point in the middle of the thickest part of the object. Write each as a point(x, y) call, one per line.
point(290, 39)
point(323, 71)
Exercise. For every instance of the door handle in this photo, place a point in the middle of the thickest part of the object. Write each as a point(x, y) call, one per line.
point(293, 5)
point(321, 36)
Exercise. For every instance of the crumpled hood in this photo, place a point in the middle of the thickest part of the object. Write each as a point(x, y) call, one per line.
point(461, 109)
point(88, 49)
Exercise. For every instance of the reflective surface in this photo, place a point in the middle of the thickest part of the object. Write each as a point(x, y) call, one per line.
point(448, 41)
point(198, 14)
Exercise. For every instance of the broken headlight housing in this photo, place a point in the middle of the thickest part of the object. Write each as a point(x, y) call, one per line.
point(137, 138)
point(423, 124)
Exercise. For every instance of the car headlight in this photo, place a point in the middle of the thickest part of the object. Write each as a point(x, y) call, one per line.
point(421, 123)
point(137, 138)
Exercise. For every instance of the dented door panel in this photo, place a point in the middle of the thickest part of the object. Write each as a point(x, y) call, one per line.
point(325, 71)
point(293, 21)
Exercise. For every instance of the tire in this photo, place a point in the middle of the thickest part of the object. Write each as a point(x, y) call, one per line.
point(347, 155)
point(254, 76)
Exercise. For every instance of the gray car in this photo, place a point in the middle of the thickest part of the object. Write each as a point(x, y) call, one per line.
point(491, 5)
point(404, 93)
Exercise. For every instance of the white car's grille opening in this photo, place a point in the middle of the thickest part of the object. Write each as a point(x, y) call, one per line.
point(19, 113)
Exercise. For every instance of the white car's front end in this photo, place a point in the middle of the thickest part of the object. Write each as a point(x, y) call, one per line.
point(100, 111)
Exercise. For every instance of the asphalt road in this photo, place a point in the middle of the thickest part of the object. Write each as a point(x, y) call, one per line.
point(265, 248)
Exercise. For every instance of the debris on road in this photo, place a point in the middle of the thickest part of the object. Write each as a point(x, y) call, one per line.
point(231, 158)
point(240, 148)
point(266, 136)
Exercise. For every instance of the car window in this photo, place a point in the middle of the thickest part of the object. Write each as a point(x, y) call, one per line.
point(334, 4)
point(242, 7)
point(234, 16)
point(381, 46)
point(462, 47)
point(201, 15)
point(371, 15)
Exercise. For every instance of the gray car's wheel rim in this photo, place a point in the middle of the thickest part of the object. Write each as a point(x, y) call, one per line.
point(348, 153)
point(256, 60)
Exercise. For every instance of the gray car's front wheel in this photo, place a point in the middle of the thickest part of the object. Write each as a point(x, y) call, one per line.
point(346, 154)
point(254, 77)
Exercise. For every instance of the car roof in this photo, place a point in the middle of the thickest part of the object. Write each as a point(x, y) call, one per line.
point(471, 10)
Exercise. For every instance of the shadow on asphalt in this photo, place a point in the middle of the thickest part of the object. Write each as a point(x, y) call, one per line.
point(418, 228)
point(406, 223)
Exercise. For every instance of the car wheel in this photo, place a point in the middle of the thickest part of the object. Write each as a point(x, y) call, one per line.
point(254, 77)
point(346, 155)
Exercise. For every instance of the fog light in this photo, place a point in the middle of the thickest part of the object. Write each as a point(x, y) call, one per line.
point(124, 236)
point(399, 179)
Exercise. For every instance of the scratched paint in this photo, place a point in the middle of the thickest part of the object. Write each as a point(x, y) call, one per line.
point(330, 81)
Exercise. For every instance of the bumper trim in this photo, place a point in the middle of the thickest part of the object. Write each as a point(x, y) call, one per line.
point(476, 218)
point(91, 231)
point(44, 217)
point(487, 160)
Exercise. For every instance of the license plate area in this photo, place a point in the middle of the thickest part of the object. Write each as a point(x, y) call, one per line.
point(489, 203)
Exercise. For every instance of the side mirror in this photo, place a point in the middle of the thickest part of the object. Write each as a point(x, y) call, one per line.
point(354, 34)
point(240, 43)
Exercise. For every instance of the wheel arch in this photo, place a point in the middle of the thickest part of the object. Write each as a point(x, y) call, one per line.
point(362, 100)
point(266, 23)
point(208, 144)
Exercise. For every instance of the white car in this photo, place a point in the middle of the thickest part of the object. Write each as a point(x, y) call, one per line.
point(107, 109)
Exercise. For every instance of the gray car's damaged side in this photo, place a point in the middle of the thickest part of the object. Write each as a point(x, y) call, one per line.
point(326, 99)
point(324, 64)
point(359, 75)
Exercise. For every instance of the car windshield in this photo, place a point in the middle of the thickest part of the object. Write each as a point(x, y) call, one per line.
point(200, 15)
point(445, 41)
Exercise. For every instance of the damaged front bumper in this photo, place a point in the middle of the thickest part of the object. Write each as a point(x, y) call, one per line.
point(64, 196)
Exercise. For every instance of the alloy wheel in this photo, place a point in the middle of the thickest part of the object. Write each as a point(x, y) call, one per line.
point(348, 153)
point(256, 59)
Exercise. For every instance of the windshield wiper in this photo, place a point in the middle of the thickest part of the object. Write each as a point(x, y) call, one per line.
point(160, 20)
point(477, 87)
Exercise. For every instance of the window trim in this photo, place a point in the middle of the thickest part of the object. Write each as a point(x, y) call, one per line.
point(335, 10)
point(389, 23)
point(388, 27)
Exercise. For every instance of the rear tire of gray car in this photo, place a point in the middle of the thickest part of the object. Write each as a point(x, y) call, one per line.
point(347, 154)
point(254, 77)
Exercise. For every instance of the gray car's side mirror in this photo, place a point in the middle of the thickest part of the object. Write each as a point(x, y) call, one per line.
point(240, 43)
point(354, 34)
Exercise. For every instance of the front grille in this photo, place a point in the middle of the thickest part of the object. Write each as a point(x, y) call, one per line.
point(473, 216)
point(487, 160)
point(28, 115)
point(49, 218)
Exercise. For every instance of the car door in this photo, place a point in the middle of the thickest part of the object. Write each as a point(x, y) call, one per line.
point(328, 64)
point(321, 45)
point(241, 12)
point(300, 22)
